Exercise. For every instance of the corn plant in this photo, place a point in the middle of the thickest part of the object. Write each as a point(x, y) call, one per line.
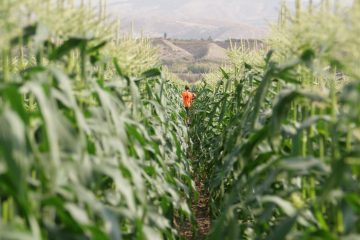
point(278, 140)
point(92, 145)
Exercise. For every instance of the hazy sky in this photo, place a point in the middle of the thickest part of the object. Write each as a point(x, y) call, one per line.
point(150, 14)
point(251, 11)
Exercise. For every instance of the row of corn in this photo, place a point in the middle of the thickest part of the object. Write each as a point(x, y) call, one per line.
point(277, 135)
point(92, 142)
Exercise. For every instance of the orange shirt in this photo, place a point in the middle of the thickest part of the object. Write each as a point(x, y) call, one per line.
point(187, 98)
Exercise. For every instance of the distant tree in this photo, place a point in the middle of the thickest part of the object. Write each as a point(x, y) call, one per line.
point(210, 39)
point(165, 35)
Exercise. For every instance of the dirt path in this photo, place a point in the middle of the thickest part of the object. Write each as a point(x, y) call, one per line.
point(202, 215)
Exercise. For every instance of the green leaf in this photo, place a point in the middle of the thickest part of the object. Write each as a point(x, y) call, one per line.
point(225, 75)
point(282, 229)
point(13, 96)
point(96, 47)
point(286, 206)
point(151, 73)
point(66, 47)
point(28, 32)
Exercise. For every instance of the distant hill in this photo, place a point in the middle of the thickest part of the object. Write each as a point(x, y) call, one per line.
point(174, 50)
point(215, 53)
point(197, 48)
point(190, 59)
point(190, 50)
point(195, 29)
point(169, 52)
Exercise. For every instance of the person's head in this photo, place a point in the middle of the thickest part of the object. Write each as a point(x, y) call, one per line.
point(187, 87)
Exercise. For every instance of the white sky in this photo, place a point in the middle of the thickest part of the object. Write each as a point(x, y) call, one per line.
point(257, 12)
point(200, 18)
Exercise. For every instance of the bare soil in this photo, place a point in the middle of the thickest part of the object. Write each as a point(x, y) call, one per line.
point(202, 215)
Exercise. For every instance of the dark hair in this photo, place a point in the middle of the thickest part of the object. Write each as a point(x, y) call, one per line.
point(187, 87)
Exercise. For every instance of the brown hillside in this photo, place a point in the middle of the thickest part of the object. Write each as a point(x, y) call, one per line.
point(197, 48)
point(174, 50)
point(214, 53)
point(202, 49)
point(190, 59)
point(171, 53)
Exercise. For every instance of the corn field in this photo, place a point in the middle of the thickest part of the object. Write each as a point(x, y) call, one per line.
point(277, 135)
point(94, 145)
point(92, 142)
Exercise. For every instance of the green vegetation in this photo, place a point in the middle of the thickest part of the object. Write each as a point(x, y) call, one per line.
point(279, 137)
point(93, 143)
point(193, 71)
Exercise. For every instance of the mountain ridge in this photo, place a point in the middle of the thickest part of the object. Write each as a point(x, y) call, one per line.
point(191, 29)
point(172, 50)
point(191, 59)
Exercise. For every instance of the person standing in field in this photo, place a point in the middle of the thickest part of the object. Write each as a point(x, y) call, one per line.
point(188, 98)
